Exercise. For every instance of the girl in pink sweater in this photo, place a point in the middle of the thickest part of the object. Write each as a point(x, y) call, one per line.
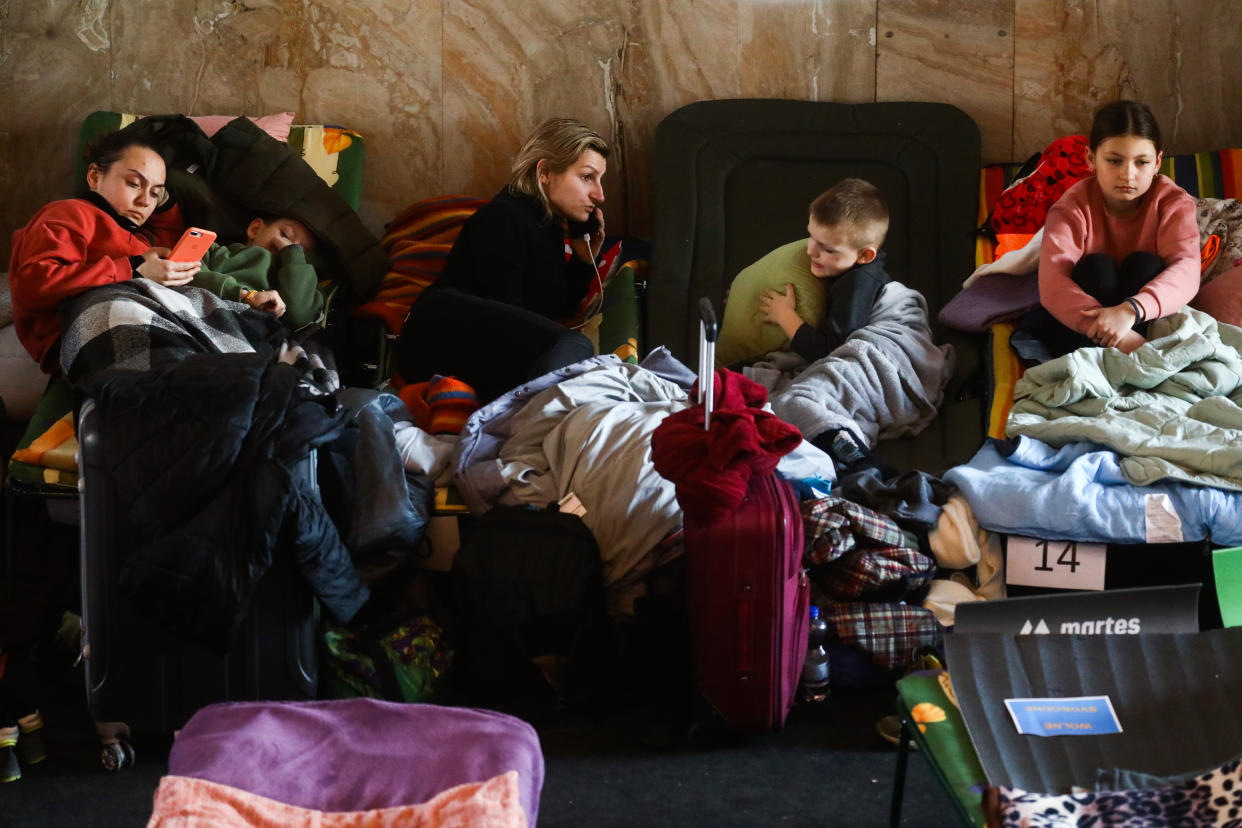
point(1120, 247)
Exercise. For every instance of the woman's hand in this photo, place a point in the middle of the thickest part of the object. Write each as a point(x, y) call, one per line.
point(1111, 324)
point(265, 300)
point(161, 271)
point(588, 252)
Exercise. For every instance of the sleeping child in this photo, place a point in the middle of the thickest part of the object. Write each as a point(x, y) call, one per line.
point(268, 271)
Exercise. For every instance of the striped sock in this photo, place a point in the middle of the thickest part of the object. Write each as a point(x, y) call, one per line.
point(451, 403)
point(414, 396)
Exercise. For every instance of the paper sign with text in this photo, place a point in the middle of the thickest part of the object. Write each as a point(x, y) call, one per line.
point(1056, 564)
point(1162, 609)
point(1067, 716)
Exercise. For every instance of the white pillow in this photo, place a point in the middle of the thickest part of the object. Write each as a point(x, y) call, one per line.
point(22, 382)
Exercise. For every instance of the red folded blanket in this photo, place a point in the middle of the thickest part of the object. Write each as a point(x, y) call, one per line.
point(711, 468)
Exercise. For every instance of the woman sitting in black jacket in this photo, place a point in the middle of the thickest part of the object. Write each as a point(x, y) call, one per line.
point(518, 272)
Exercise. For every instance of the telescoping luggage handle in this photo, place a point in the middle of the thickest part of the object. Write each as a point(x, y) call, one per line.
point(707, 359)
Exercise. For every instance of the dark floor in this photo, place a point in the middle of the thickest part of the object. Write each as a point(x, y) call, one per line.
point(828, 767)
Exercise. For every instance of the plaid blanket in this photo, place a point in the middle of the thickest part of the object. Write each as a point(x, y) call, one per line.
point(140, 325)
point(865, 565)
point(887, 633)
point(855, 553)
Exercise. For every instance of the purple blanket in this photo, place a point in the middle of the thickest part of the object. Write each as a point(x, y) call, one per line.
point(998, 297)
point(356, 754)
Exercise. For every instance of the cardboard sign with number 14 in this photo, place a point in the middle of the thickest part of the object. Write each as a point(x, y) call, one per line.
point(1056, 564)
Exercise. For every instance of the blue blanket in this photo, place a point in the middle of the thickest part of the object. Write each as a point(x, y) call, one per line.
point(1078, 492)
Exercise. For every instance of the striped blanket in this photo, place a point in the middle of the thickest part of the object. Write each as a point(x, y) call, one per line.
point(418, 241)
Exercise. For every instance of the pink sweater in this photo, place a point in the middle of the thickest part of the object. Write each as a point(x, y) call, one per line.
point(1078, 224)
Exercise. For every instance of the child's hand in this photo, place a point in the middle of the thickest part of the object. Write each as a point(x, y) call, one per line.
point(1131, 342)
point(779, 309)
point(1111, 324)
point(161, 271)
point(777, 306)
point(265, 300)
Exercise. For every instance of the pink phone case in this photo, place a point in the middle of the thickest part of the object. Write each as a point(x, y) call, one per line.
point(192, 245)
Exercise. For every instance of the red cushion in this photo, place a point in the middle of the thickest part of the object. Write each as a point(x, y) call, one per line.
point(1023, 207)
point(1222, 297)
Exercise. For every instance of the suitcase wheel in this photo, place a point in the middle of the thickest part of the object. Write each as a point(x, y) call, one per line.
point(117, 755)
point(709, 730)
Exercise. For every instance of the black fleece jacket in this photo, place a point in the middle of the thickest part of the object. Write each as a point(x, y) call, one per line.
point(201, 458)
point(851, 296)
point(508, 252)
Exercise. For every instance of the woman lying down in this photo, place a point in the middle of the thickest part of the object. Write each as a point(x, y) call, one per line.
point(207, 411)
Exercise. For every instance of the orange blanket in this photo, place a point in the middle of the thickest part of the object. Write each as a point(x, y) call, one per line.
point(182, 802)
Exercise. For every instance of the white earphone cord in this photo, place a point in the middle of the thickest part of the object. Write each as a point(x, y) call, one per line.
point(598, 280)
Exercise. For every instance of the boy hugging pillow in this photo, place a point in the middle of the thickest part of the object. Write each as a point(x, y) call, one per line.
point(744, 336)
point(808, 296)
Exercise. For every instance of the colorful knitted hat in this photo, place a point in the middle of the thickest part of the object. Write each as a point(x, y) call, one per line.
point(414, 396)
point(450, 402)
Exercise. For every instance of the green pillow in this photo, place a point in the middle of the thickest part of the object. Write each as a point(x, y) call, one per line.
point(744, 335)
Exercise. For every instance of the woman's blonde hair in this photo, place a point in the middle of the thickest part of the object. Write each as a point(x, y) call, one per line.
point(558, 143)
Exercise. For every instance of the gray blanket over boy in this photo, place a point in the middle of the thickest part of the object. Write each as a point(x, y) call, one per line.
point(885, 381)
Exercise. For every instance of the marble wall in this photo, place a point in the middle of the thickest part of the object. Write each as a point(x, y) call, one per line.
point(445, 90)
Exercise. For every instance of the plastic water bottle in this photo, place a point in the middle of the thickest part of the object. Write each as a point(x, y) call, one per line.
point(813, 687)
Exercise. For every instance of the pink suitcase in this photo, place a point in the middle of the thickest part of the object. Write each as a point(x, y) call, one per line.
point(747, 594)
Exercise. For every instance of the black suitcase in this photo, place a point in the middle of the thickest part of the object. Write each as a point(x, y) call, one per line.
point(153, 681)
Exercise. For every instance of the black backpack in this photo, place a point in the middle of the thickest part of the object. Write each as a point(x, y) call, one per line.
point(533, 634)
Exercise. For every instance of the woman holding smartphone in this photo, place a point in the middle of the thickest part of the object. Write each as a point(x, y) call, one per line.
point(518, 271)
point(95, 239)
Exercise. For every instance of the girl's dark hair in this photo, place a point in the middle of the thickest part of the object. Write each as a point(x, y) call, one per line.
point(1125, 118)
point(109, 147)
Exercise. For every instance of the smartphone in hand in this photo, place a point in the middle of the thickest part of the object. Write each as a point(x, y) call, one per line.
point(192, 245)
point(578, 229)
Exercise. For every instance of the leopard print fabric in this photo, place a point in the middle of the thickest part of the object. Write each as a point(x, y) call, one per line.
point(1213, 798)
